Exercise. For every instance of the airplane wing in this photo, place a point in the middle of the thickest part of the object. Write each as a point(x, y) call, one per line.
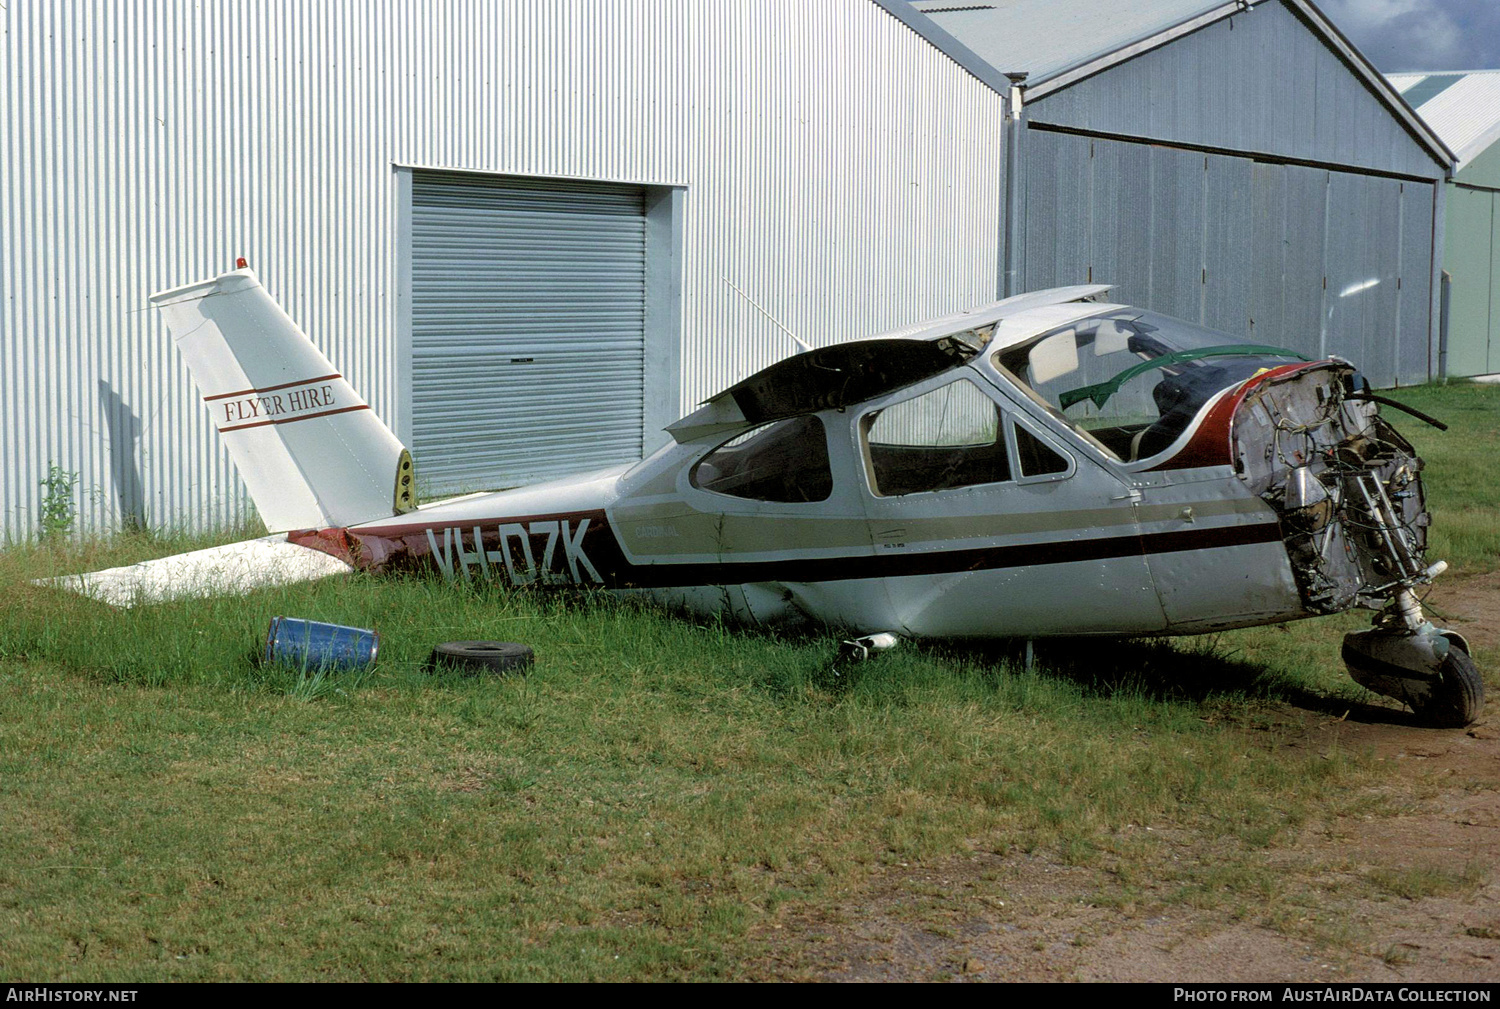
point(228, 569)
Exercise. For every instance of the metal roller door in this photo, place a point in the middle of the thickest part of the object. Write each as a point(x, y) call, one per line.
point(527, 328)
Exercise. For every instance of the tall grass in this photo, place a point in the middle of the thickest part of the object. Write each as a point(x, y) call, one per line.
point(1461, 473)
point(638, 805)
point(652, 790)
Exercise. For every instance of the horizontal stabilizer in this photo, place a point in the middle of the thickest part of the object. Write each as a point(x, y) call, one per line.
point(230, 569)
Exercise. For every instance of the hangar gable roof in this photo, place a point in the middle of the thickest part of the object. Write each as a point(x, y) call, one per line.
point(1046, 37)
point(1463, 106)
point(1057, 43)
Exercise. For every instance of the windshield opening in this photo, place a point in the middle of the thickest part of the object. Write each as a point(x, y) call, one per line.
point(1131, 380)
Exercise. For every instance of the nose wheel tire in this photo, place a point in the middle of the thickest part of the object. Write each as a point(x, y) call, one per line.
point(1458, 697)
point(1428, 669)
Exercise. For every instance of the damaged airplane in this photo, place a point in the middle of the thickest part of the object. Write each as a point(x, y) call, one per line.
point(1045, 465)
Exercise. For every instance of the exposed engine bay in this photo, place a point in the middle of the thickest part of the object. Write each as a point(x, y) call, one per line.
point(1354, 518)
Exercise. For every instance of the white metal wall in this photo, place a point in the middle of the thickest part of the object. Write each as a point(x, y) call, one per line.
point(837, 167)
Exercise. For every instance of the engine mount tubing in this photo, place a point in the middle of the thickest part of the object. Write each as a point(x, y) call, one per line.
point(1398, 530)
point(1380, 524)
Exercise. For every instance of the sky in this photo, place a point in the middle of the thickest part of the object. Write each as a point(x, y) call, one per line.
point(1399, 35)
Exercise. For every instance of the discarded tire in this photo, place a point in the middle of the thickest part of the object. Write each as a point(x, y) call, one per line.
point(481, 656)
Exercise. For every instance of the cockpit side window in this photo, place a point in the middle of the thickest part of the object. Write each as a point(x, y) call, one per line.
point(785, 461)
point(1036, 457)
point(947, 438)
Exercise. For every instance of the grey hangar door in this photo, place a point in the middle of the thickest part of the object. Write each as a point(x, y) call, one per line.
point(1313, 259)
point(527, 328)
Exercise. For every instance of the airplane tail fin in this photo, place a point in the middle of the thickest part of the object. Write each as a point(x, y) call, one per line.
point(311, 451)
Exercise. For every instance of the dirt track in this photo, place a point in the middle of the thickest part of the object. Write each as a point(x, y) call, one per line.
point(1025, 918)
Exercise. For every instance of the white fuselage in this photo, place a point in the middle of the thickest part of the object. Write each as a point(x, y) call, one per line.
point(1097, 547)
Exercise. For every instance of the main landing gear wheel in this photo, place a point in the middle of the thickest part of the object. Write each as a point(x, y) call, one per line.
point(1458, 697)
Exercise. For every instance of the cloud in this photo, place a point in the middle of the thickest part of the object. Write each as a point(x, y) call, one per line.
point(1371, 14)
point(1421, 34)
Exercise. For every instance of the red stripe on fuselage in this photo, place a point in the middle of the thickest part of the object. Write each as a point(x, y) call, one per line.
point(1209, 445)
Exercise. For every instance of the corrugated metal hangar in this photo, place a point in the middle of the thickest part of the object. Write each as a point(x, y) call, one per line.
point(1237, 164)
point(521, 229)
point(1464, 109)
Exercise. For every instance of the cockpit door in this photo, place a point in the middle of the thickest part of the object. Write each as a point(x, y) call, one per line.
point(987, 523)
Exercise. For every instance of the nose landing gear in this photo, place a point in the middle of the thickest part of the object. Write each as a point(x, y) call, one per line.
point(1404, 656)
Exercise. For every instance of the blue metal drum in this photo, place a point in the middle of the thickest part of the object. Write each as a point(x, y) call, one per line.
point(307, 644)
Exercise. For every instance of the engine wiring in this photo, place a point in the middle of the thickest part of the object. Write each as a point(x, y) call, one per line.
point(1351, 451)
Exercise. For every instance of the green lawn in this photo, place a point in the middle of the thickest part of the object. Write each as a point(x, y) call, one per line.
point(1462, 467)
point(641, 805)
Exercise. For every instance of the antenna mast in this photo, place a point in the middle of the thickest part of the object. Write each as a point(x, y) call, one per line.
point(774, 321)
